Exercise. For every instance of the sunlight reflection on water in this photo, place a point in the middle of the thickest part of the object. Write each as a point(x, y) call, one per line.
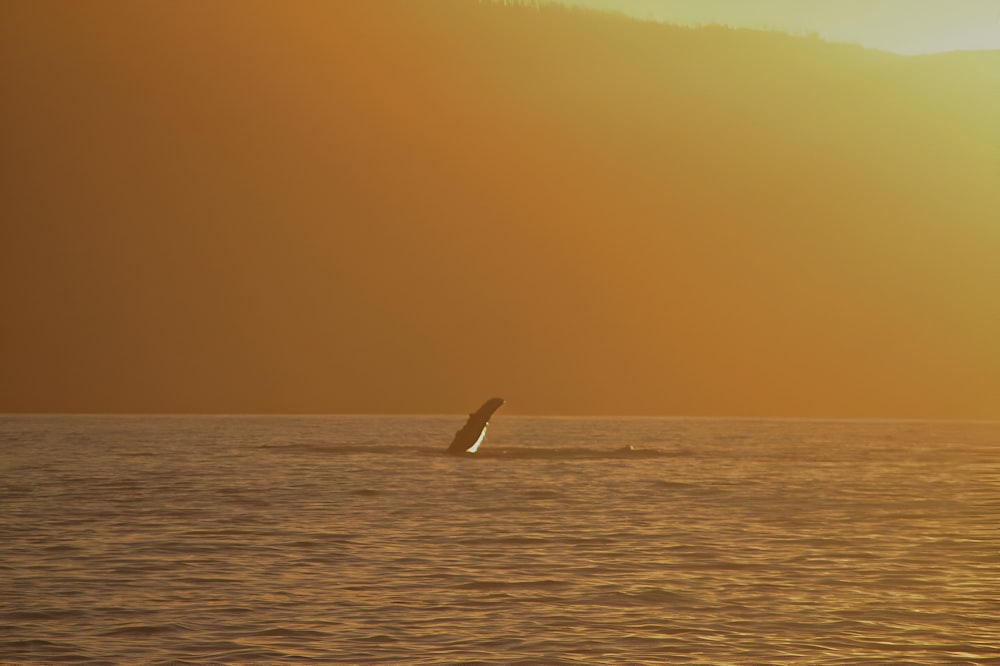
point(289, 539)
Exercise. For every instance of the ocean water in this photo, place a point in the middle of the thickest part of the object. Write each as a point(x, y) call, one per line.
point(356, 539)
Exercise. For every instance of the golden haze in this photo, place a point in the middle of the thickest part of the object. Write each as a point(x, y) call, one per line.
point(394, 206)
point(901, 26)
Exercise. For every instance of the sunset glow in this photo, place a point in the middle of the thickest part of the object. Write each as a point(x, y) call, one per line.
point(721, 276)
point(901, 26)
point(403, 206)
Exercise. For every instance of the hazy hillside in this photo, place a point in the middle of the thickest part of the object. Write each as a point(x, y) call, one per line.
point(410, 206)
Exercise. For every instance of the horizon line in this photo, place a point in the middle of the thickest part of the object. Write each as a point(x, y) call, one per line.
point(677, 417)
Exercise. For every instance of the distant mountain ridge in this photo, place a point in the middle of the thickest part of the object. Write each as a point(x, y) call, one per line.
point(897, 26)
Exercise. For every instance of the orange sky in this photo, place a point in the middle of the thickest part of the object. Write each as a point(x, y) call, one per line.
point(410, 207)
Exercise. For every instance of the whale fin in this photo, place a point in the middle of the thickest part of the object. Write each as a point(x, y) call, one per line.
point(472, 434)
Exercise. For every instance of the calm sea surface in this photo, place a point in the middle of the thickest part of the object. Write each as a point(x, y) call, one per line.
point(355, 539)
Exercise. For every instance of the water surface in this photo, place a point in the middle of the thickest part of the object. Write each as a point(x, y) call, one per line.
point(355, 539)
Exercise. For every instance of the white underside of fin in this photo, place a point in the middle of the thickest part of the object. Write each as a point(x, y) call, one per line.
point(475, 447)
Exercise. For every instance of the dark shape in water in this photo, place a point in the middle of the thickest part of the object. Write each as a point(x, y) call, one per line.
point(472, 434)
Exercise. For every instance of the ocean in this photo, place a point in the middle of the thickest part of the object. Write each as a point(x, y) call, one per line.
point(355, 539)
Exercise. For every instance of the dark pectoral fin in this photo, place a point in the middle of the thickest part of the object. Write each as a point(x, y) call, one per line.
point(474, 427)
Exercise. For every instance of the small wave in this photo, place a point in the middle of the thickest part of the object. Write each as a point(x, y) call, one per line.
point(364, 448)
point(491, 585)
point(30, 643)
point(674, 485)
point(542, 494)
point(143, 630)
point(30, 616)
point(245, 655)
point(378, 638)
point(508, 540)
point(284, 632)
point(218, 650)
point(33, 650)
point(579, 452)
point(640, 597)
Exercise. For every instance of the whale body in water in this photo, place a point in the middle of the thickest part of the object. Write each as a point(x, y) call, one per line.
point(472, 434)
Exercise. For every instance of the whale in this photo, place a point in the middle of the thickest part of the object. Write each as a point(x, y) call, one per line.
point(472, 434)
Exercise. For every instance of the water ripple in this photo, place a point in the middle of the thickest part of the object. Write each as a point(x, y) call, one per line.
point(257, 539)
